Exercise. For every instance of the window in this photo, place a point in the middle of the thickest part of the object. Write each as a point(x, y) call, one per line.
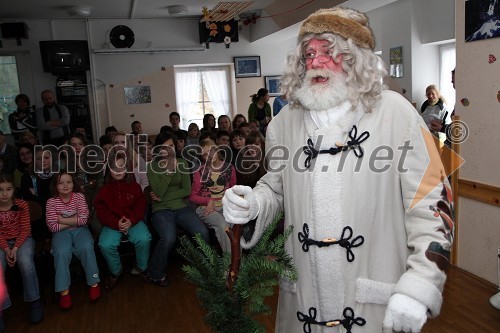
point(9, 89)
point(448, 61)
point(201, 90)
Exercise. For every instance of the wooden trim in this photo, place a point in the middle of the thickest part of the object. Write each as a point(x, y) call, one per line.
point(455, 188)
point(478, 191)
point(475, 277)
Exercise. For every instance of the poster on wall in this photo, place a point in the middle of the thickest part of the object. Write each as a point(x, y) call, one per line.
point(482, 19)
point(396, 61)
point(137, 95)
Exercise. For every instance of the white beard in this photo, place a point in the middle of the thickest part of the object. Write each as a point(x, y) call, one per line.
point(322, 96)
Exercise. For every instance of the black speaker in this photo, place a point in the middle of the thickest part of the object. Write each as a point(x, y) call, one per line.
point(14, 30)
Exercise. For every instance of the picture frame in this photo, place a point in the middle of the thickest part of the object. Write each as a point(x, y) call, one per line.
point(481, 20)
point(137, 95)
point(247, 66)
point(396, 62)
point(273, 84)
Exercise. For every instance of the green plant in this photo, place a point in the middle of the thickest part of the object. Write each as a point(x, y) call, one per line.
point(232, 307)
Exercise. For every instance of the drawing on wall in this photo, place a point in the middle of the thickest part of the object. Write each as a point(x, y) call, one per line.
point(482, 19)
point(247, 66)
point(137, 95)
point(273, 84)
point(396, 61)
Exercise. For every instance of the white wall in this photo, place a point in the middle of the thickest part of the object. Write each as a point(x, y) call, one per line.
point(121, 69)
point(437, 21)
point(425, 57)
point(413, 24)
point(395, 34)
point(478, 81)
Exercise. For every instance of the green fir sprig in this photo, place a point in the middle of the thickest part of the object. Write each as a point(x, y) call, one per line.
point(233, 310)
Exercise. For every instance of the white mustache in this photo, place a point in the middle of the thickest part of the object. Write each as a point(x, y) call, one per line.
point(325, 73)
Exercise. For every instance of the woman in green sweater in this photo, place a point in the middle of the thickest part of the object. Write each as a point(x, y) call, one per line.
point(170, 184)
point(260, 109)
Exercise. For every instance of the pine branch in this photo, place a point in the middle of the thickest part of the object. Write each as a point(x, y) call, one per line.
point(231, 310)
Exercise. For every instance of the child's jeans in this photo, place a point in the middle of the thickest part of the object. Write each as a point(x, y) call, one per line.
point(216, 221)
point(165, 223)
point(79, 242)
point(26, 267)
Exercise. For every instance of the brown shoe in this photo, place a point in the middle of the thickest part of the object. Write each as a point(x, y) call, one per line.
point(112, 280)
point(165, 282)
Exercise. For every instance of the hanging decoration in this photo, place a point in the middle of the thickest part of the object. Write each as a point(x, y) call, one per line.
point(224, 11)
point(227, 41)
point(219, 25)
point(252, 19)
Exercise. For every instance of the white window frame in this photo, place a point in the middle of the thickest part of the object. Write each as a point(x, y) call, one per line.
point(447, 54)
point(229, 68)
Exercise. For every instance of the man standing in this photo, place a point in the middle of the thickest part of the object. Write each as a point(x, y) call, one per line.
point(8, 155)
point(52, 120)
point(352, 166)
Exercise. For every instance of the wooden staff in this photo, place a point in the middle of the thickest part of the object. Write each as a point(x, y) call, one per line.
point(234, 235)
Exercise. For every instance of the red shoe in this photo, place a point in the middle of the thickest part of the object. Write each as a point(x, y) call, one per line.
point(94, 293)
point(65, 301)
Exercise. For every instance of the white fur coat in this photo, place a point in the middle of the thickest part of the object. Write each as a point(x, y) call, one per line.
point(372, 196)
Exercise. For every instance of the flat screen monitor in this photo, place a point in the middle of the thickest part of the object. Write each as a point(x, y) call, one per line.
point(65, 56)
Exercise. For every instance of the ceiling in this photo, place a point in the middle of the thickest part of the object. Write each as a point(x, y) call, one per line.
point(143, 9)
point(117, 9)
point(11, 11)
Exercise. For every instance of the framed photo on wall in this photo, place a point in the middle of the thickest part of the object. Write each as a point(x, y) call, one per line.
point(247, 66)
point(273, 84)
point(482, 19)
point(137, 95)
point(396, 61)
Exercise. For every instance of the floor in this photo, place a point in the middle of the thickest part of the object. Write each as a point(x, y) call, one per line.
point(134, 306)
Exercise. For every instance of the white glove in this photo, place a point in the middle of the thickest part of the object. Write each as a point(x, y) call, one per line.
point(240, 205)
point(404, 314)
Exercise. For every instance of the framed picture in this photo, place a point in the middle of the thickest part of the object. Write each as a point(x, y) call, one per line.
point(396, 61)
point(137, 95)
point(247, 66)
point(273, 84)
point(482, 19)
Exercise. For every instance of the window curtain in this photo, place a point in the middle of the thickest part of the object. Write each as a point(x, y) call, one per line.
point(215, 80)
point(187, 92)
point(448, 61)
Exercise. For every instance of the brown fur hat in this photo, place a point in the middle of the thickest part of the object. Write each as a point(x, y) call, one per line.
point(345, 22)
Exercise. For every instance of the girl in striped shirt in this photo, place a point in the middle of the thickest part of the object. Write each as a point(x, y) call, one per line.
point(67, 215)
point(17, 246)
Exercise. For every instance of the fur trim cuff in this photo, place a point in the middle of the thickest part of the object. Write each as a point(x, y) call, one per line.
point(422, 290)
